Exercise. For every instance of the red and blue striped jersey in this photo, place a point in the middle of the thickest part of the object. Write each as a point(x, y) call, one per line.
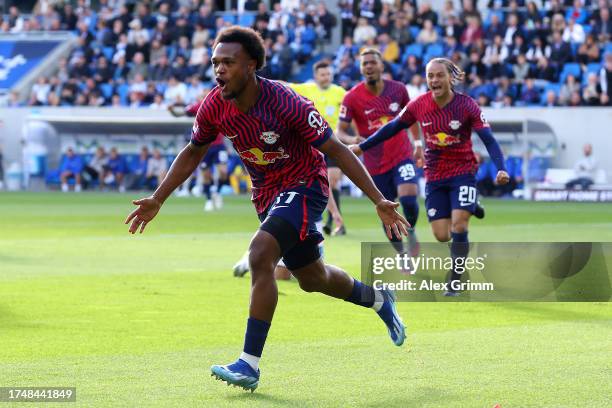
point(448, 133)
point(192, 110)
point(372, 112)
point(276, 139)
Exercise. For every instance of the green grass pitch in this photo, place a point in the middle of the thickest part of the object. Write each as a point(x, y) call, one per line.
point(136, 321)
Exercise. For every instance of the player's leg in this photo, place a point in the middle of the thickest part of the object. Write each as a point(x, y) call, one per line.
point(274, 237)
point(463, 197)
point(407, 191)
point(438, 206)
point(386, 185)
point(335, 177)
point(335, 282)
point(207, 184)
point(77, 182)
point(222, 177)
point(64, 176)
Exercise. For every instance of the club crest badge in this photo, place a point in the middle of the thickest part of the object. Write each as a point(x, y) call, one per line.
point(394, 107)
point(454, 124)
point(269, 137)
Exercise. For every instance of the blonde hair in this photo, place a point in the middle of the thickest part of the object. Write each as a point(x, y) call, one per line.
point(455, 73)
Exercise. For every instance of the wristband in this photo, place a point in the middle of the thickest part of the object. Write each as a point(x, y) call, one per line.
point(418, 143)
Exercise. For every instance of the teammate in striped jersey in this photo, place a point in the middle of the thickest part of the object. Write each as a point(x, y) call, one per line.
point(279, 136)
point(370, 104)
point(447, 119)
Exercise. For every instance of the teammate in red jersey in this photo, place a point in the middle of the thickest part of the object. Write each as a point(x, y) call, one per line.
point(280, 137)
point(447, 119)
point(370, 105)
point(215, 157)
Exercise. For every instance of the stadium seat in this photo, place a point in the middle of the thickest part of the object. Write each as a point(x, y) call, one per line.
point(413, 49)
point(414, 31)
point(433, 50)
point(123, 91)
point(107, 90)
point(108, 52)
point(537, 168)
point(229, 17)
point(571, 68)
point(593, 67)
point(550, 87)
point(608, 48)
point(246, 20)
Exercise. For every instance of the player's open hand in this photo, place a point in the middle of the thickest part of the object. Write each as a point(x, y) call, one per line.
point(356, 149)
point(419, 158)
point(141, 216)
point(394, 223)
point(502, 178)
point(338, 221)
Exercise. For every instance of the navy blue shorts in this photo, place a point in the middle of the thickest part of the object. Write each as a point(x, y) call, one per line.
point(216, 154)
point(301, 207)
point(404, 172)
point(454, 193)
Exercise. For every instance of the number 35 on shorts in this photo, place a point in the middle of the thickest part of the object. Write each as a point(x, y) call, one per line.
point(406, 171)
point(467, 195)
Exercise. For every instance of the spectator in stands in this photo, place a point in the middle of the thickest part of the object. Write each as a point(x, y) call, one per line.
point(544, 71)
point(94, 170)
point(281, 59)
point(453, 28)
point(388, 48)
point(326, 20)
point(537, 50)
point(575, 99)
point(426, 13)
point(517, 48)
point(584, 170)
point(588, 51)
point(551, 99)
point(471, 33)
point(576, 13)
point(138, 67)
point(71, 168)
point(605, 80)
point(40, 91)
point(400, 30)
point(475, 68)
point(560, 51)
point(448, 10)
point(347, 17)
point(68, 18)
point(512, 29)
point(567, 89)
point(157, 167)
point(160, 69)
point(347, 70)
point(533, 19)
point(137, 177)
point(494, 28)
point(363, 31)
point(15, 20)
point(417, 86)
point(529, 93)
point(428, 34)
point(495, 57)
point(115, 170)
point(591, 93)
point(573, 33)
point(520, 70)
point(410, 69)
point(176, 91)
point(602, 26)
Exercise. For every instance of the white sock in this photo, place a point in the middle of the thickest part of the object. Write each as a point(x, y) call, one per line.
point(64, 187)
point(251, 359)
point(77, 188)
point(379, 299)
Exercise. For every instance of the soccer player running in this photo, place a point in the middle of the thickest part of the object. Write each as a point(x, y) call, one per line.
point(371, 104)
point(447, 119)
point(327, 98)
point(279, 136)
point(216, 156)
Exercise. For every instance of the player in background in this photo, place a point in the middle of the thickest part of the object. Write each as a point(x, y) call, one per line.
point(447, 119)
point(370, 105)
point(327, 98)
point(216, 157)
point(279, 136)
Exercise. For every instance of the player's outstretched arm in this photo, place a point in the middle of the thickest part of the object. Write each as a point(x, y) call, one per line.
point(384, 133)
point(495, 153)
point(343, 135)
point(350, 165)
point(182, 167)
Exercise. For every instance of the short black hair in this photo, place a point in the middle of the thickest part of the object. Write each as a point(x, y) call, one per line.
point(250, 40)
point(320, 64)
point(371, 51)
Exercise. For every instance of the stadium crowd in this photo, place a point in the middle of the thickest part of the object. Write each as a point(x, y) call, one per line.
point(157, 53)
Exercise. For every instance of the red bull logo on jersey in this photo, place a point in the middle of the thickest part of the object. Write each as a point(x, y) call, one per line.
point(442, 139)
point(256, 156)
point(378, 123)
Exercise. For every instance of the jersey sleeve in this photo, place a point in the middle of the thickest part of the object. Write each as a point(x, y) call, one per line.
point(477, 119)
point(204, 131)
point(346, 111)
point(310, 124)
point(192, 109)
point(407, 115)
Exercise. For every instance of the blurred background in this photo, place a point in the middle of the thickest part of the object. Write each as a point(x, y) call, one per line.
point(85, 85)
